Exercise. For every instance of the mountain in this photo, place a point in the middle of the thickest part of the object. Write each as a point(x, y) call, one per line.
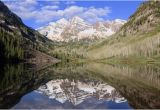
point(139, 37)
point(16, 39)
point(144, 20)
point(76, 29)
point(76, 92)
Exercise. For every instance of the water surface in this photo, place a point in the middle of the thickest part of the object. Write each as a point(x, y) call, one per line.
point(84, 86)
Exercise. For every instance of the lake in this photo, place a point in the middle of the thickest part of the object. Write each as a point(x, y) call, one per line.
point(80, 86)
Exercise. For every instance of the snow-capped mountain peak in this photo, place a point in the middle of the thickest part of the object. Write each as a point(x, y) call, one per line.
point(76, 29)
point(62, 21)
point(52, 23)
point(76, 19)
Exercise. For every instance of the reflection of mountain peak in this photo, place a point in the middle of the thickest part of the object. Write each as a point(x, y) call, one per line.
point(76, 91)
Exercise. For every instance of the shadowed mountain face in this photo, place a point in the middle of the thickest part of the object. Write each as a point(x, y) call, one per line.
point(12, 23)
point(16, 39)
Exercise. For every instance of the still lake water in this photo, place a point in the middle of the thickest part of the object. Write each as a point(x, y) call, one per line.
point(85, 86)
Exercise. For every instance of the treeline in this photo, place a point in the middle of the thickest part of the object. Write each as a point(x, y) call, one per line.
point(14, 47)
point(10, 46)
point(67, 56)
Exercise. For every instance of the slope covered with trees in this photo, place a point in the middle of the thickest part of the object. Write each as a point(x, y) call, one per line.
point(138, 38)
point(16, 39)
point(10, 46)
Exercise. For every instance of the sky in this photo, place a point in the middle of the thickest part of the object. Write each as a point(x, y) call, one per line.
point(38, 13)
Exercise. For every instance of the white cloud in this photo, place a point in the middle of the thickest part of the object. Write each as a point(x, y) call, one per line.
point(90, 14)
point(73, 11)
point(49, 7)
point(32, 9)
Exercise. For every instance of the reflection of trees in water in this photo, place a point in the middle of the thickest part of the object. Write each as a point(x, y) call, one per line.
point(72, 72)
point(10, 75)
point(13, 75)
point(18, 80)
point(15, 81)
point(148, 74)
point(139, 85)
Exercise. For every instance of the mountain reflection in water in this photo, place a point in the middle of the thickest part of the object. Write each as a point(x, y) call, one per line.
point(62, 93)
point(76, 91)
point(92, 86)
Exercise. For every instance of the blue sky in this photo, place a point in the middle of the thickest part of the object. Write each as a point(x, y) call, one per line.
point(36, 13)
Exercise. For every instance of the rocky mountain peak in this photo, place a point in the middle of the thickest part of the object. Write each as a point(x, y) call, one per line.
point(62, 21)
point(76, 19)
point(76, 29)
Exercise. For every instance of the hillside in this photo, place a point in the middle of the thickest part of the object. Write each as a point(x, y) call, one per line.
point(17, 39)
point(139, 37)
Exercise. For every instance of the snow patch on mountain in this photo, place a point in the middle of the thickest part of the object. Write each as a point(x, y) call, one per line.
point(77, 29)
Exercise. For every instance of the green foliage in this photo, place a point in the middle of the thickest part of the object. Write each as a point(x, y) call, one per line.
point(67, 56)
point(11, 46)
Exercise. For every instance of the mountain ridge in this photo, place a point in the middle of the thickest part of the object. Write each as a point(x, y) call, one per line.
point(76, 29)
